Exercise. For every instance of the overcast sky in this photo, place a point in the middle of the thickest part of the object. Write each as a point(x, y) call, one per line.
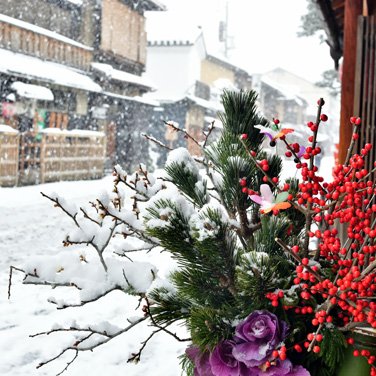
point(264, 34)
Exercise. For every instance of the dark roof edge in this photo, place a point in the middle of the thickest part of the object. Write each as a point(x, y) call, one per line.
point(334, 33)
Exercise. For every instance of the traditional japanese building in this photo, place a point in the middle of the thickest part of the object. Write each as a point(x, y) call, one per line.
point(73, 64)
point(189, 79)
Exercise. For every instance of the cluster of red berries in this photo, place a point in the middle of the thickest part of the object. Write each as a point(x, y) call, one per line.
point(243, 183)
point(348, 199)
point(292, 149)
point(274, 297)
point(281, 353)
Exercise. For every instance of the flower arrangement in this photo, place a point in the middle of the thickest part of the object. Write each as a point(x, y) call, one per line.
point(273, 278)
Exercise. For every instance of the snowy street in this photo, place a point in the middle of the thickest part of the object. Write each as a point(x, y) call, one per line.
point(30, 225)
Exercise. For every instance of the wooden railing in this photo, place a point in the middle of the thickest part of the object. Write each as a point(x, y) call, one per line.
point(44, 46)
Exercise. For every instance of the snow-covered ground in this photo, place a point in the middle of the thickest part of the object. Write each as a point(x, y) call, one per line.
point(30, 225)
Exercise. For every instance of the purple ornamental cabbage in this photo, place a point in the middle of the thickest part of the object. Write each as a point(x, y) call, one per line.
point(200, 360)
point(257, 336)
point(284, 368)
point(223, 362)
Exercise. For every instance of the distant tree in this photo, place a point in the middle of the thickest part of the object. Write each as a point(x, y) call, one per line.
point(311, 23)
point(330, 80)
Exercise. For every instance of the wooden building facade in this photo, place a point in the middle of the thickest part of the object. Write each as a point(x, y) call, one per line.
point(71, 65)
point(351, 30)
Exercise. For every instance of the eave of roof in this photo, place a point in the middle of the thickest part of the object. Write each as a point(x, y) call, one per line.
point(333, 14)
point(153, 5)
point(225, 63)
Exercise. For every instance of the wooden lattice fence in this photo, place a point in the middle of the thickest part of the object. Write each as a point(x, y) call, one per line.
point(71, 155)
point(9, 141)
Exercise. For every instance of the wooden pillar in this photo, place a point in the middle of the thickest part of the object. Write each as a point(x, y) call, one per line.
point(353, 8)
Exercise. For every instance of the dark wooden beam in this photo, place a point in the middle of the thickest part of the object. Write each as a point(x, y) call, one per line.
point(353, 8)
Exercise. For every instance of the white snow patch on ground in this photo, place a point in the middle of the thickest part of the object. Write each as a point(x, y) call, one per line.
point(30, 225)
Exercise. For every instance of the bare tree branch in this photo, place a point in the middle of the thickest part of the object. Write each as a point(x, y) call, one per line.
point(186, 134)
point(58, 204)
point(159, 143)
point(75, 347)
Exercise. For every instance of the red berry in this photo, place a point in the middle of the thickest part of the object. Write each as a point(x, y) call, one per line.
point(316, 349)
point(368, 147)
point(352, 119)
point(358, 121)
point(276, 121)
point(282, 356)
point(244, 136)
point(323, 117)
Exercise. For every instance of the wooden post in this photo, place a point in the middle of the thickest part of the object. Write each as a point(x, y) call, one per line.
point(353, 8)
point(42, 163)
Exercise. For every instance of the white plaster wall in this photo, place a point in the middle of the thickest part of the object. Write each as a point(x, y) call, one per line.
point(174, 69)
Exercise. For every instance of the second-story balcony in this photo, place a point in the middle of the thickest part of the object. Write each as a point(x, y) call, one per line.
point(22, 37)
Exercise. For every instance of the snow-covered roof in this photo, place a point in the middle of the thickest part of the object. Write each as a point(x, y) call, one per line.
point(138, 99)
point(118, 75)
point(20, 65)
point(215, 57)
point(42, 31)
point(301, 87)
point(75, 2)
point(166, 29)
point(288, 92)
point(32, 91)
point(7, 129)
point(210, 105)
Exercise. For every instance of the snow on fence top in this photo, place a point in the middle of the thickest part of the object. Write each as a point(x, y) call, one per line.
point(32, 67)
point(42, 31)
point(7, 129)
point(73, 132)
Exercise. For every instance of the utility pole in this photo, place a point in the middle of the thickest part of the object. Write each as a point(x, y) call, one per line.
point(224, 34)
point(226, 30)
